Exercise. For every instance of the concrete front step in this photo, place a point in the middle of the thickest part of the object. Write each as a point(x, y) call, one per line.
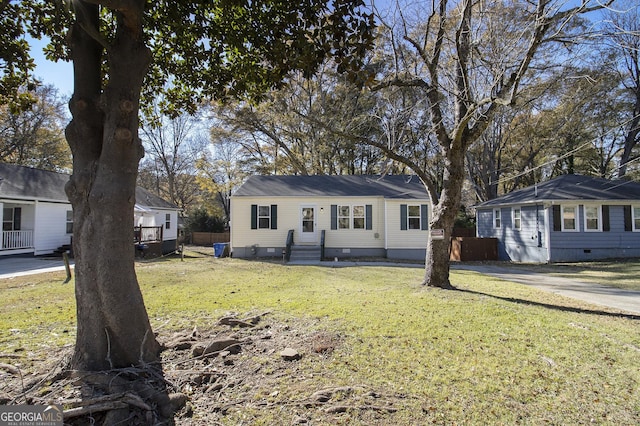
point(305, 253)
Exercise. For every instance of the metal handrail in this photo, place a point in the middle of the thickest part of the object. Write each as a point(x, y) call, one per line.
point(289, 243)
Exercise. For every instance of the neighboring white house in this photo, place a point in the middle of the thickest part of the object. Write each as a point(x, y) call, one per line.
point(37, 217)
point(330, 216)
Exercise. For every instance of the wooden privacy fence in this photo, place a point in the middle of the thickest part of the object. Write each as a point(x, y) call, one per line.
point(471, 248)
point(208, 238)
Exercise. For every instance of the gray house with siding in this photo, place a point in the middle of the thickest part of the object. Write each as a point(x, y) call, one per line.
point(566, 219)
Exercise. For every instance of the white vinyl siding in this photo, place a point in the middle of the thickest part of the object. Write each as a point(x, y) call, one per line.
point(51, 230)
point(397, 238)
point(243, 236)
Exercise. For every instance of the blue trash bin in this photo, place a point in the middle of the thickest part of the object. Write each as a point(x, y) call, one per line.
point(218, 249)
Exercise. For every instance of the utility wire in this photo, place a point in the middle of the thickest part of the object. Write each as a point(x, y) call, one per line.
point(573, 151)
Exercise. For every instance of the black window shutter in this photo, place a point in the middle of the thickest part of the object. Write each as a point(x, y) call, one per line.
point(403, 217)
point(628, 226)
point(424, 217)
point(17, 218)
point(334, 216)
point(606, 226)
point(557, 219)
point(254, 216)
point(368, 216)
point(274, 216)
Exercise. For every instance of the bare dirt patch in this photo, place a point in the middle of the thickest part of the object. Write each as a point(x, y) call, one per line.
point(242, 369)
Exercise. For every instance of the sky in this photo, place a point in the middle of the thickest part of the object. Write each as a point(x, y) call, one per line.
point(59, 74)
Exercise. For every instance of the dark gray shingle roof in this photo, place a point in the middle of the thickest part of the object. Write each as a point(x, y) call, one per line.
point(388, 186)
point(35, 184)
point(571, 188)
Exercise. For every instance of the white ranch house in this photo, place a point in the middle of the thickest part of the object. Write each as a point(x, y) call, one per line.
point(37, 217)
point(314, 217)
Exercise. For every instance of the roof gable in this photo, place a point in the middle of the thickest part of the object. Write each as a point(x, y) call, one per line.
point(387, 186)
point(27, 183)
point(571, 188)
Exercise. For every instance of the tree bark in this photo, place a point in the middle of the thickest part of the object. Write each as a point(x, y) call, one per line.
point(113, 326)
point(443, 217)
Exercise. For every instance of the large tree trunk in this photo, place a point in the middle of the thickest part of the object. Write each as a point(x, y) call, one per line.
point(113, 326)
point(443, 217)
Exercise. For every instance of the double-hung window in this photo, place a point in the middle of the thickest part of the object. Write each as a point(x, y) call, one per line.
point(592, 218)
point(517, 218)
point(497, 220)
point(351, 217)
point(167, 221)
point(356, 216)
point(264, 216)
point(635, 211)
point(69, 222)
point(413, 217)
point(569, 215)
point(344, 217)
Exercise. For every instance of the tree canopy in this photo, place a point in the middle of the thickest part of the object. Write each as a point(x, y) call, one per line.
point(126, 53)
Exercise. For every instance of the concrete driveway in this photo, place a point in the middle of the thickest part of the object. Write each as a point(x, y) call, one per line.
point(15, 266)
point(623, 300)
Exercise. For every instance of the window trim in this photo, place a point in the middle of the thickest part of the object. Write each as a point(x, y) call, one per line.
point(261, 216)
point(598, 218)
point(576, 215)
point(419, 217)
point(351, 217)
point(497, 218)
point(273, 216)
point(342, 216)
point(424, 217)
point(634, 218)
point(363, 216)
point(69, 222)
point(15, 221)
point(517, 227)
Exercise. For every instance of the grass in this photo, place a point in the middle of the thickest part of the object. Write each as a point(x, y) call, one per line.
point(492, 353)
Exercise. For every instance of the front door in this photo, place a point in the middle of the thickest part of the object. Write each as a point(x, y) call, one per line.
point(308, 224)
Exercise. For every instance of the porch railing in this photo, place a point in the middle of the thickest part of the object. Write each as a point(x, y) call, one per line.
point(12, 240)
point(143, 234)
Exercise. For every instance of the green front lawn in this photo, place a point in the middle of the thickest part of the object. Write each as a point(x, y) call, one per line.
point(492, 353)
